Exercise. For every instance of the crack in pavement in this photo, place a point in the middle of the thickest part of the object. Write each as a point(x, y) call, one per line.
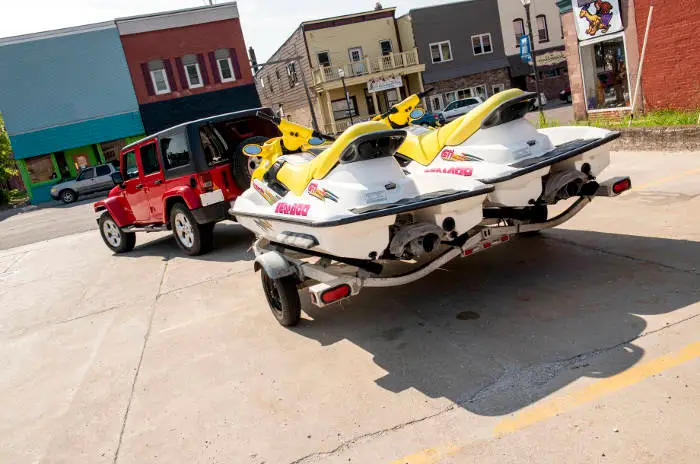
point(194, 284)
point(621, 255)
point(507, 381)
point(138, 365)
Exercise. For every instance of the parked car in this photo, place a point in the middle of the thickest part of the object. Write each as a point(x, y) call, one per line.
point(459, 107)
point(182, 179)
point(565, 95)
point(429, 119)
point(90, 180)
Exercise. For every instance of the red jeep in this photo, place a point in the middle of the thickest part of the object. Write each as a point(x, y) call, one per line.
point(182, 179)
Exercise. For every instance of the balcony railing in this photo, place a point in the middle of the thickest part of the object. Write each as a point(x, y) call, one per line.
point(368, 65)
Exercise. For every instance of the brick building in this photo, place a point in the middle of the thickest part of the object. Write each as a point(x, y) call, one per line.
point(187, 64)
point(670, 78)
point(366, 50)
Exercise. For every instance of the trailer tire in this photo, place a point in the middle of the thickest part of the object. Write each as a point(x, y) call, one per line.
point(283, 297)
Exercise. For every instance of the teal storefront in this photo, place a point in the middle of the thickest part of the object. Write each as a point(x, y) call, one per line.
point(68, 102)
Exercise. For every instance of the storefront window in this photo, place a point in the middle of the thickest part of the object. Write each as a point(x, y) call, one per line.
point(605, 74)
point(40, 168)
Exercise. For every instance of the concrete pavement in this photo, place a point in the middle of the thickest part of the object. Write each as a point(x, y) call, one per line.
point(579, 345)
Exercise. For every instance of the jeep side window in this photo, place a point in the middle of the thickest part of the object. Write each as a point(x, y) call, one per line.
point(149, 159)
point(174, 149)
point(131, 170)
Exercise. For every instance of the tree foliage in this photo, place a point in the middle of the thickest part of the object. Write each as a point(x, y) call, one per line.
point(8, 168)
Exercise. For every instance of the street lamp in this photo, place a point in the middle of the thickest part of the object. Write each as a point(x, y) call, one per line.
point(526, 4)
point(341, 73)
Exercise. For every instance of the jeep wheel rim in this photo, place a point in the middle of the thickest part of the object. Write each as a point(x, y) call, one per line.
point(112, 233)
point(253, 163)
point(183, 229)
point(68, 196)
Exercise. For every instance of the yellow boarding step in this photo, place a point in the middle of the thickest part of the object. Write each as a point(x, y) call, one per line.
point(425, 147)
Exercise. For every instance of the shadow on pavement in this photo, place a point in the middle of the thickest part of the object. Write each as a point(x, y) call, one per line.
point(231, 243)
point(503, 329)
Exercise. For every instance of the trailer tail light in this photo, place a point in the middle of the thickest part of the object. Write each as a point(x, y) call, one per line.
point(205, 182)
point(622, 186)
point(336, 293)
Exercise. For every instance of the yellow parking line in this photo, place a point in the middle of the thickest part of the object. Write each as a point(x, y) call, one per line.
point(667, 179)
point(429, 456)
point(551, 408)
point(596, 390)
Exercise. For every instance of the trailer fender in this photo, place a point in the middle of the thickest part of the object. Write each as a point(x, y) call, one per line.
point(274, 264)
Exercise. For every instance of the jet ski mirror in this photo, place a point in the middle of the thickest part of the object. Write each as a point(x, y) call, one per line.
point(315, 141)
point(417, 113)
point(252, 150)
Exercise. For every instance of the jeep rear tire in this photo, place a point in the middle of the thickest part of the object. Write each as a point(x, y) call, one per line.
point(194, 239)
point(68, 196)
point(114, 237)
point(242, 166)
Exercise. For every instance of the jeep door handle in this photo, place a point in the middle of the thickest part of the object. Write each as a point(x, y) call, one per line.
point(138, 186)
point(158, 182)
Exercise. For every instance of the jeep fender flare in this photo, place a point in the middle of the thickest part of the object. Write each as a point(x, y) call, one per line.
point(117, 208)
point(182, 193)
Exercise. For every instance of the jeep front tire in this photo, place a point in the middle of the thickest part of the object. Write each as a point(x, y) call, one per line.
point(114, 237)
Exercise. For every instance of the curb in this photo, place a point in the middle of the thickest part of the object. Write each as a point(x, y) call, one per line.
point(667, 138)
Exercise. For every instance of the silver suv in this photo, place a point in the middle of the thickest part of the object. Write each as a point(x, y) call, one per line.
point(90, 180)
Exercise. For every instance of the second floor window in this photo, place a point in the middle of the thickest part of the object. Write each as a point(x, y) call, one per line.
point(323, 59)
point(223, 62)
point(159, 77)
point(542, 31)
point(385, 45)
point(481, 44)
point(192, 71)
point(441, 51)
point(519, 29)
point(292, 74)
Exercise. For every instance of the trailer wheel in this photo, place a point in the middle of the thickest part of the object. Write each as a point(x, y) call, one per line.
point(283, 297)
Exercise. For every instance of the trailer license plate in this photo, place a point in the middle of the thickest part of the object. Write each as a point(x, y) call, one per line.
point(210, 198)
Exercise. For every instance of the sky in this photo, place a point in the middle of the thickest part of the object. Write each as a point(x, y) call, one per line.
point(266, 23)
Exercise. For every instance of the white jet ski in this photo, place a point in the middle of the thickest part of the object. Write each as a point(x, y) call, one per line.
point(353, 201)
point(529, 168)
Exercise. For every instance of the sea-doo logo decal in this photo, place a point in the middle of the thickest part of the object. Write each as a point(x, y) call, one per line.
point(456, 171)
point(321, 193)
point(450, 155)
point(297, 209)
point(269, 196)
point(263, 224)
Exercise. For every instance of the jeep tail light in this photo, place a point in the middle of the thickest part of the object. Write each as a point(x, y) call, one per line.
point(622, 186)
point(335, 293)
point(205, 182)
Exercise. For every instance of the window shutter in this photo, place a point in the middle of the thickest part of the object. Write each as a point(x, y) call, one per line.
point(169, 73)
point(214, 68)
point(147, 79)
point(234, 60)
point(203, 69)
point(181, 72)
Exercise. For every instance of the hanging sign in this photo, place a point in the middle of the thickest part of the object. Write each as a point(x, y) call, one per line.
point(525, 48)
point(595, 18)
point(386, 83)
point(551, 58)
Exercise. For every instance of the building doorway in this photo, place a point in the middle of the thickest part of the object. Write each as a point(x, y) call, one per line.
point(63, 169)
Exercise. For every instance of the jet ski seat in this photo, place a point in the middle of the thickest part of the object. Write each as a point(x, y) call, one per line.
point(296, 176)
point(425, 147)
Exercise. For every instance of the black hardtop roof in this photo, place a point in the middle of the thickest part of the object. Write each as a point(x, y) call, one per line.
point(208, 119)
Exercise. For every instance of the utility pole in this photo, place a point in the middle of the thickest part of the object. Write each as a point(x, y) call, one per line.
point(297, 59)
point(341, 73)
point(526, 4)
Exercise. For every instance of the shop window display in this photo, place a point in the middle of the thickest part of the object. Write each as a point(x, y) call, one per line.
point(605, 74)
point(40, 168)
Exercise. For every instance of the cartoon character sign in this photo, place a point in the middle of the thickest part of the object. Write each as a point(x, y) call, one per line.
point(598, 17)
